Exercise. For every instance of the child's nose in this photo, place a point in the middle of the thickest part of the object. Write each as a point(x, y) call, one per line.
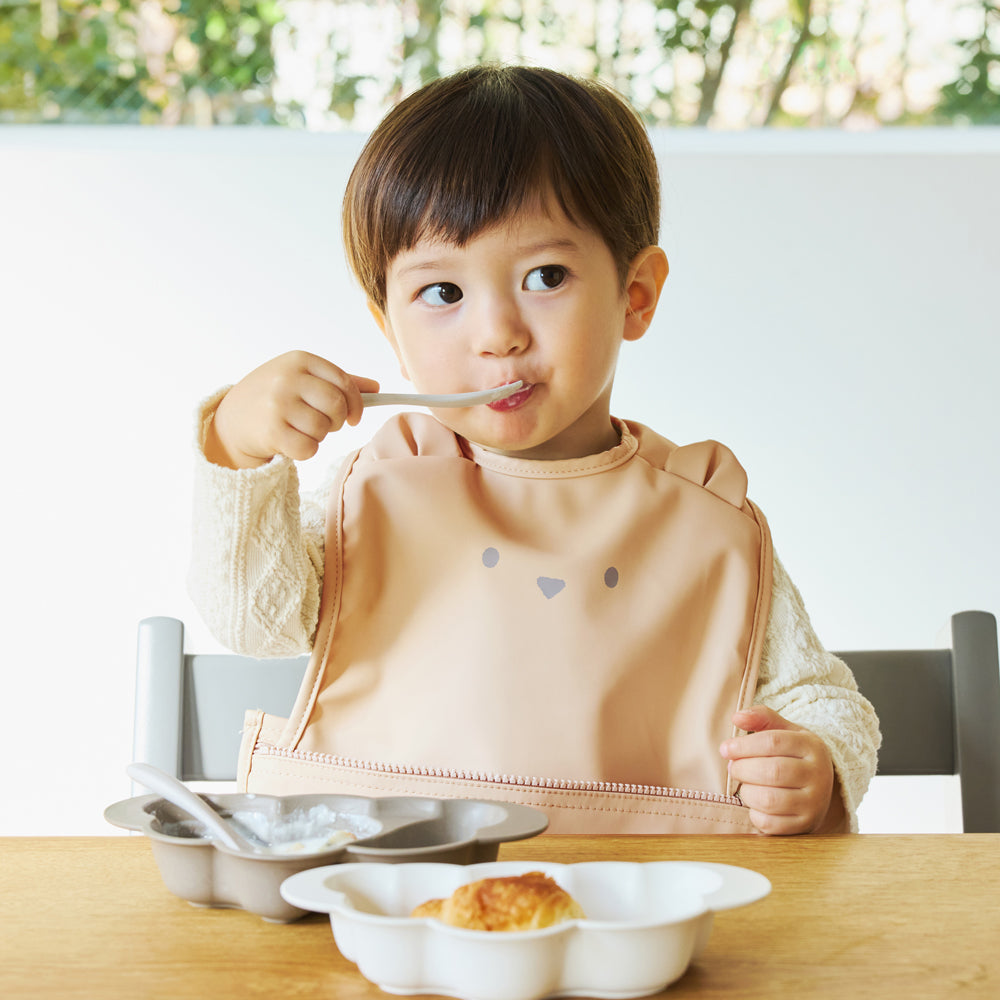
point(502, 331)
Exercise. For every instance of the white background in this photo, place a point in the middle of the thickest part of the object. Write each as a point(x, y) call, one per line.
point(831, 314)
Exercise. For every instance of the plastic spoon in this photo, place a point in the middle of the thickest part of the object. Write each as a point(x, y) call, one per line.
point(449, 399)
point(178, 793)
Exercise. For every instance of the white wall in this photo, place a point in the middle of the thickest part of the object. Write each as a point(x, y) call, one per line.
point(831, 313)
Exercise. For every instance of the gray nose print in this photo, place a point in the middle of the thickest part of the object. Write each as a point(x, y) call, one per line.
point(549, 586)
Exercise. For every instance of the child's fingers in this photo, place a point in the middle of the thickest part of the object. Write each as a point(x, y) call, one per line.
point(769, 800)
point(767, 820)
point(315, 422)
point(783, 772)
point(355, 406)
point(329, 372)
point(322, 406)
point(319, 408)
point(772, 772)
point(777, 810)
point(293, 444)
point(357, 385)
point(766, 743)
point(780, 794)
point(334, 392)
point(758, 718)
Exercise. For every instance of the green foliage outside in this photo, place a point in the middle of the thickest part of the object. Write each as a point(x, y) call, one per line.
point(341, 63)
point(132, 61)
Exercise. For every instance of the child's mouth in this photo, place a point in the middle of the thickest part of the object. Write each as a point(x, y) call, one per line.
point(512, 402)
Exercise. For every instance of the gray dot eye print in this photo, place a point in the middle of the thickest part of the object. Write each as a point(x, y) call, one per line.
point(550, 586)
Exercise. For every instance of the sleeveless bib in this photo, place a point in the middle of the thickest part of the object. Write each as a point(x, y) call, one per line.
point(573, 635)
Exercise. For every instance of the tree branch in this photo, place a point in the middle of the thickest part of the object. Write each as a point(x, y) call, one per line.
point(793, 55)
point(710, 86)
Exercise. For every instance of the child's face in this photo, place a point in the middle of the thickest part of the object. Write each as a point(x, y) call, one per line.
point(536, 299)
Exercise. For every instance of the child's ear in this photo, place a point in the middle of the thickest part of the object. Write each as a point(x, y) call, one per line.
point(646, 275)
point(382, 321)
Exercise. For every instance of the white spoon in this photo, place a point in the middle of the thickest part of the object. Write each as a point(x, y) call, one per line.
point(178, 793)
point(449, 399)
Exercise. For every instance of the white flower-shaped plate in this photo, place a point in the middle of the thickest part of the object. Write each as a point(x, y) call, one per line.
point(644, 924)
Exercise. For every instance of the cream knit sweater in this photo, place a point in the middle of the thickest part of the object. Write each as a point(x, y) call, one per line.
point(257, 572)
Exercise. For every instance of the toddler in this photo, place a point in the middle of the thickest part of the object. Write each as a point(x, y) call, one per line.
point(531, 600)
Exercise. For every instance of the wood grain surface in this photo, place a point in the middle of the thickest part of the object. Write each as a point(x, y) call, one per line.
point(849, 916)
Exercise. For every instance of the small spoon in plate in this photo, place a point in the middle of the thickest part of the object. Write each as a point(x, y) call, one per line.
point(233, 835)
point(449, 399)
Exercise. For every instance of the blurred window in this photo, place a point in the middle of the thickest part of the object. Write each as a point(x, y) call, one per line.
point(339, 64)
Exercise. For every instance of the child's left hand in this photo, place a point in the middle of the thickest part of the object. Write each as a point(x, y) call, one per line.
point(785, 773)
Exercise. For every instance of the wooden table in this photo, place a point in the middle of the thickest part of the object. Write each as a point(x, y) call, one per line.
point(849, 916)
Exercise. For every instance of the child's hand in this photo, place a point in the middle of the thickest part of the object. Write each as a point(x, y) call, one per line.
point(285, 407)
point(786, 774)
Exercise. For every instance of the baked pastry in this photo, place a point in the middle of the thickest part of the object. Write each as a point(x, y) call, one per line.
point(509, 903)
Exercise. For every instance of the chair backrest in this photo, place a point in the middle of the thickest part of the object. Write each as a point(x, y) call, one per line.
point(939, 711)
point(189, 707)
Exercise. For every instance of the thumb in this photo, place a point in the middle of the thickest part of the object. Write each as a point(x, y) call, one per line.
point(355, 404)
point(759, 717)
point(364, 384)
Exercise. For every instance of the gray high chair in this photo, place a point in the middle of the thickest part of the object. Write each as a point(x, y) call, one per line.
point(939, 709)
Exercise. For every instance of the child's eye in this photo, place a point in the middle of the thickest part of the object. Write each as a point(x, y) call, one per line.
point(444, 293)
point(546, 277)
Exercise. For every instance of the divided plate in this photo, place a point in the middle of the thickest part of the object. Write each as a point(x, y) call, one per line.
point(390, 829)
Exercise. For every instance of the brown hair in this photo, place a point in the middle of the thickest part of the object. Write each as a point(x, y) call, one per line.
point(468, 151)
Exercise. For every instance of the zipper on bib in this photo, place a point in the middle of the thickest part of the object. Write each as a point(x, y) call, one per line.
point(514, 781)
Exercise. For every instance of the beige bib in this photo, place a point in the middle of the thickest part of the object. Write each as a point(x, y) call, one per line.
point(574, 635)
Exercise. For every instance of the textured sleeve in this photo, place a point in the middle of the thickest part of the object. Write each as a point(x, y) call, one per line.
point(256, 570)
point(805, 684)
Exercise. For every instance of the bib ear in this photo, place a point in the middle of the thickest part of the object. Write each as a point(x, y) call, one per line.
point(713, 466)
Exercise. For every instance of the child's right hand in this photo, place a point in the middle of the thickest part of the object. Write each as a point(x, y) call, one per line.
point(284, 407)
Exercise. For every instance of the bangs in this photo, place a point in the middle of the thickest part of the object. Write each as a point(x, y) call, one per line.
point(466, 153)
point(475, 171)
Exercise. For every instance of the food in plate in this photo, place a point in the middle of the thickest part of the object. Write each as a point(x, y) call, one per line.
point(510, 903)
point(302, 831)
point(309, 845)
